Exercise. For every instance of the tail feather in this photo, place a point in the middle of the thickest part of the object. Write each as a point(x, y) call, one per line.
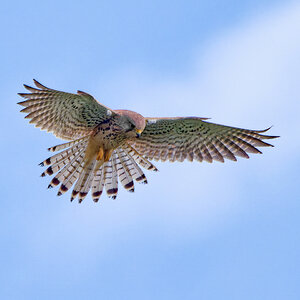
point(84, 182)
point(111, 178)
point(59, 165)
point(71, 174)
point(73, 166)
point(123, 170)
point(98, 184)
point(134, 169)
point(87, 186)
point(62, 159)
point(69, 144)
point(139, 159)
point(68, 170)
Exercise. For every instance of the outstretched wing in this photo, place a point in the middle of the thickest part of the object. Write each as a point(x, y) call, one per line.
point(68, 116)
point(177, 139)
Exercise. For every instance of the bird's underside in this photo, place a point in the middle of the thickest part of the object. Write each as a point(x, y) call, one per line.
point(107, 146)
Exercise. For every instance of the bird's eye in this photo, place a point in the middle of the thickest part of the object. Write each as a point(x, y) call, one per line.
point(131, 127)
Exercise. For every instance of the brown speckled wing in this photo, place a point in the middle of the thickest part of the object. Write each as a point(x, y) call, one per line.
point(68, 116)
point(177, 139)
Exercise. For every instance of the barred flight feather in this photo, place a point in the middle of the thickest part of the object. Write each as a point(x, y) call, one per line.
point(67, 115)
point(139, 158)
point(111, 178)
point(192, 138)
point(71, 168)
point(101, 151)
point(98, 184)
point(61, 159)
point(123, 172)
point(134, 170)
point(83, 184)
point(71, 175)
point(69, 144)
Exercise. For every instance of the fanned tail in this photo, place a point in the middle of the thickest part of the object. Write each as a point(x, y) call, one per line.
point(121, 166)
point(72, 167)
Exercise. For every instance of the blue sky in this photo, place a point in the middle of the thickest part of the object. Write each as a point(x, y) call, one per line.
point(196, 231)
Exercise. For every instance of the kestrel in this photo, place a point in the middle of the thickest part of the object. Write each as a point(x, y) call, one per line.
point(106, 146)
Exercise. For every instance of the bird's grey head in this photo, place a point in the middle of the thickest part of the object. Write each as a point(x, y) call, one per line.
point(133, 123)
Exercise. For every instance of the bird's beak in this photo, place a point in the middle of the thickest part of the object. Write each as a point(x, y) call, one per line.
point(138, 133)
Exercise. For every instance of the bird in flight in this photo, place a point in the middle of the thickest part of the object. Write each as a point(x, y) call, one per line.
point(106, 146)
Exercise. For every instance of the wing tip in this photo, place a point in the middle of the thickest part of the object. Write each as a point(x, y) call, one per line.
point(264, 130)
point(22, 103)
point(39, 85)
point(266, 136)
point(27, 86)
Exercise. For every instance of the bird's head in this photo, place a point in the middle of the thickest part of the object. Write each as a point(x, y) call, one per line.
point(132, 122)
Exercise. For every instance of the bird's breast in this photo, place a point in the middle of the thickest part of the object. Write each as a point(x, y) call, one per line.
point(108, 135)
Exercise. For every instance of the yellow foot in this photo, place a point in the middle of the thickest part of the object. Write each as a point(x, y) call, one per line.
point(107, 155)
point(100, 154)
